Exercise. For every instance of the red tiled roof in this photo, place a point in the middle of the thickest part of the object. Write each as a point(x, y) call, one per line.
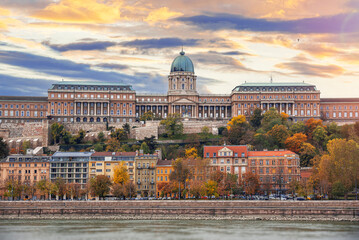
point(235, 148)
point(269, 153)
point(108, 154)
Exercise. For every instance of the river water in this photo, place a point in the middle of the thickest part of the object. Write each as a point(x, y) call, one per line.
point(175, 229)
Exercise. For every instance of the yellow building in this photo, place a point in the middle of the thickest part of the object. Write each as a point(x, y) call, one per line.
point(163, 169)
point(145, 176)
point(104, 163)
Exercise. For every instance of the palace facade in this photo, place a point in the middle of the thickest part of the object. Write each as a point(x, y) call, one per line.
point(101, 101)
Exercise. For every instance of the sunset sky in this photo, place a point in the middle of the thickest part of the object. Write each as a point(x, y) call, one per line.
point(134, 42)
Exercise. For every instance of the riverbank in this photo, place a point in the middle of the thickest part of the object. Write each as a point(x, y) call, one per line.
point(184, 210)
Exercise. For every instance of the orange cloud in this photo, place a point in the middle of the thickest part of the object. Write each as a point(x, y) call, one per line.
point(82, 11)
point(161, 14)
point(6, 20)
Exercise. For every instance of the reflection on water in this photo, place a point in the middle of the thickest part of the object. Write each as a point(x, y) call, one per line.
point(175, 229)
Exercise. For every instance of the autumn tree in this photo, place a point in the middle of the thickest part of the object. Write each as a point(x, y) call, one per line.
point(120, 174)
point(164, 188)
point(127, 128)
point(149, 115)
point(191, 153)
point(236, 121)
point(295, 142)
point(118, 190)
point(180, 173)
point(197, 188)
point(310, 125)
point(211, 188)
point(306, 153)
point(119, 134)
point(250, 183)
point(341, 163)
point(60, 187)
point(129, 189)
point(238, 131)
point(100, 186)
point(74, 190)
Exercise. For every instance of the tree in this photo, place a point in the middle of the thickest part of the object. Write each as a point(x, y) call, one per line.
point(150, 141)
point(149, 115)
point(211, 188)
point(191, 153)
point(320, 137)
point(271, 118)
point(295, 142)
point(306, 153)
point(79, 137)
point(145, 148)
point(205, 133)
point(279, 134)
point(100, 186)
point(113, 145)
point(120, 175)
point(127, 128)
point(74, 190)
point(43, 187)
point(236, 121)
point(298, 127)
point(164, 188)
point(119, 134)
point(60, 187)
point(4, 149)
point(197, 188)
point(101, 137)
point(250, 183)
point(240, 135)
point(118, 190)
point(57, 131)
point(173, 125)
point(180, 172)
point(256, 118)
point(341, 163)
point(310, 125)
point(26, 145)
point(129, 189)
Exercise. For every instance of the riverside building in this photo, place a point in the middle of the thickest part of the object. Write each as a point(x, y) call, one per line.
point(275, 169)
point(101, 101)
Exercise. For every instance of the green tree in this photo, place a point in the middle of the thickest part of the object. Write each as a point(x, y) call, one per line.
point(256, 118)
point(150, 141)
point(100, 186)
point(145, 148)
point(79, 137)
point(98, 147)
point(298, 127)
point(4, 149)
point(279, 134)
point(147, 116)
point(271, 118)
point(173, 125)
point(119, 134)
point(127, 128)
point(320, 137)
point(101, 137)
point(57, 130)
point(307, 152)
point(67, 138)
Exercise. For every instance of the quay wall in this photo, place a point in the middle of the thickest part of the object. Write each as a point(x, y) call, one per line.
point(344, 210)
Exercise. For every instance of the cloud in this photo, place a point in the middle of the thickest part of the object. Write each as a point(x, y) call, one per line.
point(113, 66)
point(79, 11)
point(161, 14)
point(66, 69)
point(345, 22)
point(232, 53)
point(84, 46)
point(302, 68)
point(160, 43)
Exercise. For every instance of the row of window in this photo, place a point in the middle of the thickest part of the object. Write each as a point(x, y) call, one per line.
point(27, 171)
point(212, 100)
point(339, 107)
point(345, 114)
point(26, 165)
point(153, 100)
point(99, 88)
point(278, 97)
point(91, 112)
point(22, 106)
point(92, 96)
point(276, 89)
point(12, 113)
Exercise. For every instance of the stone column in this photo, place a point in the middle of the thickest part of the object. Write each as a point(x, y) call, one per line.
point(286, 108)
point(88, 108)
point(81, 108)
point(108, 109)
point(280, 107)
point(95, 108)
point(101, 109)
point(75, 108)
point(293, 109)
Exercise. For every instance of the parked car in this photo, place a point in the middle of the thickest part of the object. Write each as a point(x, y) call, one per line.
point(300, 199)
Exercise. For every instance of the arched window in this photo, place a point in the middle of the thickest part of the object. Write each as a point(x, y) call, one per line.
point(85, 119)
point(78, 119)
point(174, 86)
point(182, 86)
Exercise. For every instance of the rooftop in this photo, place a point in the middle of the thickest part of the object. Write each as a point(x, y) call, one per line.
point(23, 98)
point(336, 100)
point(93, 83)
point(72, 154)
point(275, 84)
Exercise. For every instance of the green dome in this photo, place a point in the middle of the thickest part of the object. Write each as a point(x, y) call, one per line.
point(182, 63)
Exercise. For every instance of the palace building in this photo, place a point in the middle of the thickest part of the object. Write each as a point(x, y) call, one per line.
point(102, 101)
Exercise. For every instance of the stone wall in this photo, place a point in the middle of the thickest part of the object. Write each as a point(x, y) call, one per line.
point(312, 209)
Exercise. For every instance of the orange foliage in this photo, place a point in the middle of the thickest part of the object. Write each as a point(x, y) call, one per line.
point(311, 124)
point(295, 142)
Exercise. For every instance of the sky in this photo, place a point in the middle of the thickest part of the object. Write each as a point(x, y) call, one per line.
point(135, 41)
